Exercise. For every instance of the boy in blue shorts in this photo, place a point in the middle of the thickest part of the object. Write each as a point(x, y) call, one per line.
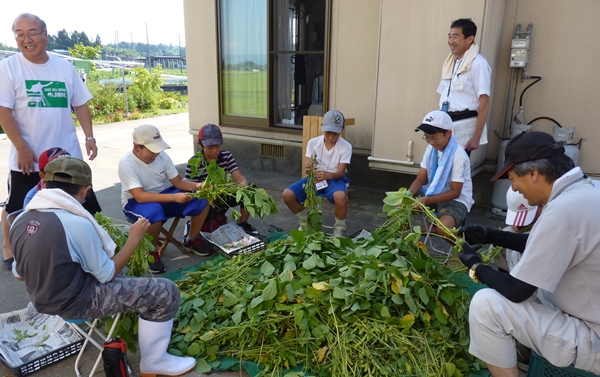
point(445, 174)
point(332, 156)
point(152, 188)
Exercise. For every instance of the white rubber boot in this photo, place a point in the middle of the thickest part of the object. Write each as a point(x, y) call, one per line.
point(303, 218)
point(154, 338)
point(339, 227)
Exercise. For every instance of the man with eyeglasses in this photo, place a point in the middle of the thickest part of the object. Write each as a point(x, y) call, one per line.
point(37, 91)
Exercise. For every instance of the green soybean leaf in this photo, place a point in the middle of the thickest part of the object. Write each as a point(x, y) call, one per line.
point(237, 316)
point(202, 366)
point(267, 268)
point(256, 301)
point(270, 290)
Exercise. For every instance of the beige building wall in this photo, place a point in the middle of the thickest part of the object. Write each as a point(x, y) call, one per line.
point(564, 52)
point(386, 59)
point(202, 63)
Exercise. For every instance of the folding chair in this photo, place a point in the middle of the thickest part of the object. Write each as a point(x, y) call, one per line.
point(166, 237)
point(88, 334)
point(443, 253)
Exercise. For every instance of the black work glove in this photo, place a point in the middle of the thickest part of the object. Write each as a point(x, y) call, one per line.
point(475, 234)
point(468, 256)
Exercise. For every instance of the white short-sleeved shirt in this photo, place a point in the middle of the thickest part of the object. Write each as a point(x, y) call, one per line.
point(461, 172)
point(154, 177)
point(467, 87)
point(41, 96)
point(329, 160)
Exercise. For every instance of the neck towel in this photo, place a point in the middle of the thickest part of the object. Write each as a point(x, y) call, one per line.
point(58, 199)
point(438, 176)
point(465, 64)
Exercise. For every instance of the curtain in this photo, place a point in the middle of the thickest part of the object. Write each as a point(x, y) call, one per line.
point(243, 42)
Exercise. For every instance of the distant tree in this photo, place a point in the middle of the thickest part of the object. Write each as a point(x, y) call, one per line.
point(248, 65)
point(6, 48)
point(97, 41)
point(63, 40)
point(83, 38)
point(85, 52)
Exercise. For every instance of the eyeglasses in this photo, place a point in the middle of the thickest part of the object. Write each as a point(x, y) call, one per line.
point(30, 35)
point(430, 140)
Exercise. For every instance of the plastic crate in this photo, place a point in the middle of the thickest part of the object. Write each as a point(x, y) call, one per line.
point(45, 360)
point(252, 248)
point(540, 367)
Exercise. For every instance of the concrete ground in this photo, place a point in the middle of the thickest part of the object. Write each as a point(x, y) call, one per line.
point(114, 140)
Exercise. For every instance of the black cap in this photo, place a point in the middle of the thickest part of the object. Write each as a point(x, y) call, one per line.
point(528, 146)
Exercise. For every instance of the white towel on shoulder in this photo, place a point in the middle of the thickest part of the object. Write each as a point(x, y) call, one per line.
point(465, 64)
point(58, 199)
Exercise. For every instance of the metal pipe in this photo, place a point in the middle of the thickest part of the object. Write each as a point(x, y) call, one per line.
point(508, 115)
point(409, 154)
point(396, 162)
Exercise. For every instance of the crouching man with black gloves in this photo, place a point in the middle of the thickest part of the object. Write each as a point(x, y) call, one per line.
point(560, 257)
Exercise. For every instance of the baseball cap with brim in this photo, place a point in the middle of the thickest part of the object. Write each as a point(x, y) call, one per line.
point(149, 136)
point(528, 146)
point(519, 212)
point(434, 121)
point(70, 170)
point(333, 121)
point(210, 134)
point(49, 155)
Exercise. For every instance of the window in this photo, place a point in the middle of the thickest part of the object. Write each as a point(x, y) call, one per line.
point(243, 34)
point(272, 61)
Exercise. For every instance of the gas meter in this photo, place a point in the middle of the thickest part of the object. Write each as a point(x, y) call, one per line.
point(519, 52)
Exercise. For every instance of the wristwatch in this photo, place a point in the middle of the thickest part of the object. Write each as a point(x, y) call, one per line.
point(472, 275)
point(90, 138)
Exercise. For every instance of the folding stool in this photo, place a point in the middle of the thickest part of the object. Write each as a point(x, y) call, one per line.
point(443, 253)
point(166, 237)
point(88, 335)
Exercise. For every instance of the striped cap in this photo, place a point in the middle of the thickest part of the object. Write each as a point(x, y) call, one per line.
point(519, 212)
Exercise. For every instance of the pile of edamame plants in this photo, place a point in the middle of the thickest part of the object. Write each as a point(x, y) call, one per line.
point(379, 306)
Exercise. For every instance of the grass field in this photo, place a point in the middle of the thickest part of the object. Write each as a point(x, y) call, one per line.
point(245, 93)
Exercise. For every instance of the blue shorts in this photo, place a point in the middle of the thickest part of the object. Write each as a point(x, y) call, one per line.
point(162, 211)
point(333, 185)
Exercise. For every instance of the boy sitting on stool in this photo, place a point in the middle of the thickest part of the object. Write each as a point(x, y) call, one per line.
point(446, 170)
point(332, 156)
point(152, 188)
point(210, 140)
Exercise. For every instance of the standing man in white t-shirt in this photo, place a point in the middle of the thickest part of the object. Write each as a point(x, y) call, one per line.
point(465, 84)
point(37, 91)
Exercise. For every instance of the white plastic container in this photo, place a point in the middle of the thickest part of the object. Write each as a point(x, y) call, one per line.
point(563, 134)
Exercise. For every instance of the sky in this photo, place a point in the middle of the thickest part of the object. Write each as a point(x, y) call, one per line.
point(108, 18)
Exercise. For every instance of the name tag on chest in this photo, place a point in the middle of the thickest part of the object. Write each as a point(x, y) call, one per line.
point(457, 86)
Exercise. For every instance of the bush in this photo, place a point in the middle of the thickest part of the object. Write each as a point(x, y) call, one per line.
point(136, 114)
point(146, 87)
point(107, 98)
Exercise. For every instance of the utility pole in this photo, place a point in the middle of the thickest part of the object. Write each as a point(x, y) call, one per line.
point(148, 50)
point(117, 36)
point(180, 59)
point(124, 85)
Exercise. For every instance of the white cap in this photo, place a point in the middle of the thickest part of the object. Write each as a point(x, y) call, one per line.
point(437, 119)
point(519, 212)
point(149, 136)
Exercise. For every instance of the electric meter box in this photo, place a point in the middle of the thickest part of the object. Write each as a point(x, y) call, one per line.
point(519, 52)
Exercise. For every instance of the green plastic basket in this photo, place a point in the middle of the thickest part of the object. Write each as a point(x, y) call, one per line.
point(540, 367)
